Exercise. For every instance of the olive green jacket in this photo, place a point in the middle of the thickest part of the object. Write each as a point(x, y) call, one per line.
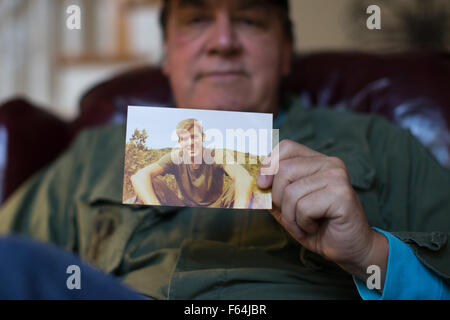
point(173, 253)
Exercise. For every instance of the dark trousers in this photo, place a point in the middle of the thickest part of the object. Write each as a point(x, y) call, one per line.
point(32, 270)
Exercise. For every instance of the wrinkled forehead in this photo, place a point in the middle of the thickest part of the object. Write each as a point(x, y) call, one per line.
point(273, 10)
point(229, 4)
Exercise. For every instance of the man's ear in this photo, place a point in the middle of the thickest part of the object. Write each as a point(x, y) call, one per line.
point(165, 64)
point(287, 58)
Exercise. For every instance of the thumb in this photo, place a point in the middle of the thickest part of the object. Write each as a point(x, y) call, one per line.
point(264, 182)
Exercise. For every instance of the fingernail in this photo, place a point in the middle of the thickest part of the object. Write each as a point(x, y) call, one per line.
point(262, 181)
point(265, 161)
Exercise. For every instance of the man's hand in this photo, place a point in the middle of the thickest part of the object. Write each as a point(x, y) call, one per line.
point(315, 202)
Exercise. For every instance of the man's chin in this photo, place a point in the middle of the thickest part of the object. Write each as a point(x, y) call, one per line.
point(225, 104)
point(192, 157)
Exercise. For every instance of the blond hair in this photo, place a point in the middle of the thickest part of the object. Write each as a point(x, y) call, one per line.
point(188, 124)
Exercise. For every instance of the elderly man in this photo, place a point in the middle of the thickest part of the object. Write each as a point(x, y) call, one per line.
point(343, 180)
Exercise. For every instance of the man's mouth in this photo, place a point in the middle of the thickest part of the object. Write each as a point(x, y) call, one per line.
point(193, 150)
point(232, 74)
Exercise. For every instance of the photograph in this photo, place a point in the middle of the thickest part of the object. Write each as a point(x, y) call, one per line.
point(196, 158)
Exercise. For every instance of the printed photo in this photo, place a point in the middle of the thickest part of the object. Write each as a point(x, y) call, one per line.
point(196, 158)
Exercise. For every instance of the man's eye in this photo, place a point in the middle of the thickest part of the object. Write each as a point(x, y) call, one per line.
point(250, 21)
point(196, 20)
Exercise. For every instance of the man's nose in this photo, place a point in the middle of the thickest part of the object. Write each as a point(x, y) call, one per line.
point(223, 37)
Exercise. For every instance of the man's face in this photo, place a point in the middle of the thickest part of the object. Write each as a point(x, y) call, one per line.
point(226, 54)
point(191, 142)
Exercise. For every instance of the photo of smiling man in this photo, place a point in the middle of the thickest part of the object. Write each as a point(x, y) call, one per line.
point(192, 175)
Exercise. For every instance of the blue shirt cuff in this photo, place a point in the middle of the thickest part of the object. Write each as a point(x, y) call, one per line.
point(406, 277)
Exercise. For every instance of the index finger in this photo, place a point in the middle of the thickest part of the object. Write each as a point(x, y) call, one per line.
point(290, 149)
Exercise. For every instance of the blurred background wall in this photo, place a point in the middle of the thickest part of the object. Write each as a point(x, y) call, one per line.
point(44, 61)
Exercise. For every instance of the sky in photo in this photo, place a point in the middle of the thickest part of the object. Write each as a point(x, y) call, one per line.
point(160, 124)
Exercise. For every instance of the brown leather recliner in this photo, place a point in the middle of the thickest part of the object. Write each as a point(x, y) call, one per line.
point(412, 90)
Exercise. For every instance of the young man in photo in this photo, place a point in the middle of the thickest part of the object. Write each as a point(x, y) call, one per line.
point(200, 179)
